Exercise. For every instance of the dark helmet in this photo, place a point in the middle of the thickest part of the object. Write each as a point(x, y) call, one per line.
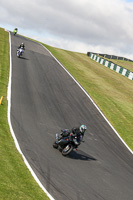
point(83, 128)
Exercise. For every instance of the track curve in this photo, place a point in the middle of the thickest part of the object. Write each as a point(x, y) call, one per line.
point(45, 99)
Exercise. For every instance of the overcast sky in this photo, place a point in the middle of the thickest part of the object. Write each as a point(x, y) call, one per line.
point(104, 26)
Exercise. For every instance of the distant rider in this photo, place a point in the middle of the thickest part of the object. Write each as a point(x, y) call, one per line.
point(22, 46)
point(15, 31)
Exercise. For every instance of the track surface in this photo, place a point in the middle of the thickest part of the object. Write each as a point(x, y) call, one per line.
point(45, 100)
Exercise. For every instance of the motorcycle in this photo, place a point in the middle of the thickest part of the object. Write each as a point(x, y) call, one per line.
point(66, 142)
point(15, 31)
point(19, 52)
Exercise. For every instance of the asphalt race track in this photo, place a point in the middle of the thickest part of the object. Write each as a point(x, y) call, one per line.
point(45, 99)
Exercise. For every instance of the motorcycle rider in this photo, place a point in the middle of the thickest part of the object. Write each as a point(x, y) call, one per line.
point(15, 31)
point(22, 46)
point(79, 133)
point(20, 49)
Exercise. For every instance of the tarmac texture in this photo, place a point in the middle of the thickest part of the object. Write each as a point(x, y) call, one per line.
point(45, 99)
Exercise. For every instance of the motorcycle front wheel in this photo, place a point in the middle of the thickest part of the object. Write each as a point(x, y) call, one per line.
point(55, 145)
point(67, 149)
point(18, 55)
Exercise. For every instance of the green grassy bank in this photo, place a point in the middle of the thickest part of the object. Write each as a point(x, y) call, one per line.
point(16, 182)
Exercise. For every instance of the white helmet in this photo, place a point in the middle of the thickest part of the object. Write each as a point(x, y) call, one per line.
point(83, 128)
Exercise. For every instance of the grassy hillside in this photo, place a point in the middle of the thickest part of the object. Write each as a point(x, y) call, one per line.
point(16, 182)
point(112, 92)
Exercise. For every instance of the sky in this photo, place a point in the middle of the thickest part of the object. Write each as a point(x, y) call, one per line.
point(99, 26)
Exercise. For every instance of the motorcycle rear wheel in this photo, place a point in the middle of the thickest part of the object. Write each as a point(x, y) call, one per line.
point(67, 150)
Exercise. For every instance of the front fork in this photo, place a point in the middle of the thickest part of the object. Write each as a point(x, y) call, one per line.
point(57, 137)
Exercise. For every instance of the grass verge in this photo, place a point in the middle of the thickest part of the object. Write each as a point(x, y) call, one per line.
point(16, 181)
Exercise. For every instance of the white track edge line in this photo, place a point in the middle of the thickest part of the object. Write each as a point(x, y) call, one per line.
point(11, 129)
point(91, 100)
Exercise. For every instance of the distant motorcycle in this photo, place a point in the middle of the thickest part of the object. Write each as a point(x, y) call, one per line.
point(19, 52)
point(66, 142)
point(15, 31)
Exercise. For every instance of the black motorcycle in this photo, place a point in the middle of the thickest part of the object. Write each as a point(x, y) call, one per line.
point(66, 142)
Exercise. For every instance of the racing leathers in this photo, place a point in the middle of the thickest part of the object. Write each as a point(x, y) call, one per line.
point(77, 136)
point(21, 46)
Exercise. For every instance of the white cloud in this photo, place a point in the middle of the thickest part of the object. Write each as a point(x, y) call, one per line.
point(78, 25)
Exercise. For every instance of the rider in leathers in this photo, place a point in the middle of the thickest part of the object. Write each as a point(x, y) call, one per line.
point(15, 31)
point(76, 135)
point(79, 133)
point(22, 46)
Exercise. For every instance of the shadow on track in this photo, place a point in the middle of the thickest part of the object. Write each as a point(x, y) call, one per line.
point(24, 58)
point(80, 155)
